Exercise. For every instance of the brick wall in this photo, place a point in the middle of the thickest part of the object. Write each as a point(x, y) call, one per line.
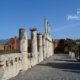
point(60, 45)
point(13, 44)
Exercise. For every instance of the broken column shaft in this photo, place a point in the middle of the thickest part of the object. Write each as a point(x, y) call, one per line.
point(23, 48)
point(40, 47)
point(34, 45)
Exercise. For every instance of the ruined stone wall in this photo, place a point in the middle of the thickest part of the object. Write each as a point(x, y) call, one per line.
point(13, 44)
point(11, 64)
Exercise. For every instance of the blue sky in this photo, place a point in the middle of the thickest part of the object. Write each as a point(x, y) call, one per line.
point(15, 14)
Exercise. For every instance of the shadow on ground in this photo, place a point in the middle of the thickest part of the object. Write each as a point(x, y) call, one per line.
point(67, 60)
point(68, 67)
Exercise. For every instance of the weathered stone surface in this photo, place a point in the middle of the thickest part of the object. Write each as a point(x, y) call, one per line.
point(1, 72)
point(72, 54)
point(48, 28)
point(23, 48)
point(44, 47)
point(57, 67)
point(11, 64)
point(23, 40)
point(45, 25)
point(34, 60)
point(2, 60)
point(40, 47)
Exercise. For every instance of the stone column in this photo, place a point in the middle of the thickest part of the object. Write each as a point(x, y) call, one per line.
point(23, 48)
point(72, 54)
point(40, 47)
point(47, 54)
point(45, 24)
point(49, 48)
point(49, 30)
point(69, 53)
point(52, 47)
point(34, 46)
point(44, 47)
point(48, 27)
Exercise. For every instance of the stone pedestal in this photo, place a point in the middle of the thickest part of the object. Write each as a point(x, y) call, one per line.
point(23, 48)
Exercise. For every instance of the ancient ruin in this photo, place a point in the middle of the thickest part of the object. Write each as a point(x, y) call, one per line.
point(41, 49)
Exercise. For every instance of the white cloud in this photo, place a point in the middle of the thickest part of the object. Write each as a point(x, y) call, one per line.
point(65, 27)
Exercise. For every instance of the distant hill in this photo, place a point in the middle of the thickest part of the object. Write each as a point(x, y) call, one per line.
point(78, 39)
point(4, 41)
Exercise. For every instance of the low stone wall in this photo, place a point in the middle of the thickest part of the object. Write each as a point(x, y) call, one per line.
point(10, 65)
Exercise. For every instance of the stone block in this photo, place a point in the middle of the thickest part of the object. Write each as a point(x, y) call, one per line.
point(1, 60)
point(72, 55)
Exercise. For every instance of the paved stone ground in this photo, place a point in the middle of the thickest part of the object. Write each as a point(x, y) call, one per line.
point(57, 67)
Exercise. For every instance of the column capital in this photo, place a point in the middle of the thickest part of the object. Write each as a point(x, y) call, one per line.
point(22, 33)
point(45, 18)
point(39, 34)
point(33, 29)
point(22, 29)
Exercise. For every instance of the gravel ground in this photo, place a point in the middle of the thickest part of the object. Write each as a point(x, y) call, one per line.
point(57, 67)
